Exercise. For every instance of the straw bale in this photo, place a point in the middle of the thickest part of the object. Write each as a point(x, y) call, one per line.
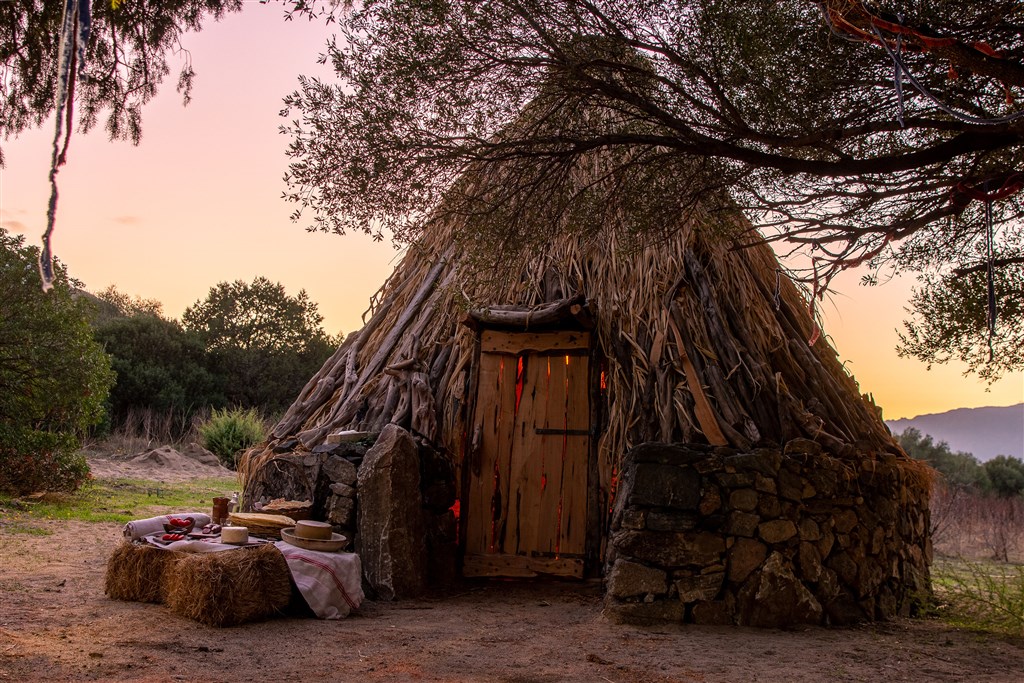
point(137, 572)
point(229, 588)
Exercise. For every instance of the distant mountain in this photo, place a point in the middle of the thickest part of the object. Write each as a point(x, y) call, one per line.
point(983, 432)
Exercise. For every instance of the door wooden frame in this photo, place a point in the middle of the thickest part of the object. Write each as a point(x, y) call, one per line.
point(593, 533)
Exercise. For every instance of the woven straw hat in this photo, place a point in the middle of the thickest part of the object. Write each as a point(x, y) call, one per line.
point(312, 535)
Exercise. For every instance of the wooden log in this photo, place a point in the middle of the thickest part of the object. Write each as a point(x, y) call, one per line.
point(424, 413)
point(702, 407)
point(425, 289)
point(572, 310)
point(348, 406)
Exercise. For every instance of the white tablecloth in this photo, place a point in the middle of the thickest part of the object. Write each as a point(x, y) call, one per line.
point(133, 531)
point(331, 583)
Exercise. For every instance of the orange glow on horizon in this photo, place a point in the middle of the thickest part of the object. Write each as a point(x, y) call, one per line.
point(199, 202)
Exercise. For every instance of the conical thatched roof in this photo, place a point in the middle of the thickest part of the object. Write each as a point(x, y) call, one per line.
point(700, 342)
point(703, 343)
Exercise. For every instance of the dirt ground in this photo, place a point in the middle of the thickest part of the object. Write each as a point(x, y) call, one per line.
point(56, 624)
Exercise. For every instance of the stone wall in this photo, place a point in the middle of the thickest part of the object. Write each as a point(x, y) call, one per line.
point(769, 538)
point(389, 493)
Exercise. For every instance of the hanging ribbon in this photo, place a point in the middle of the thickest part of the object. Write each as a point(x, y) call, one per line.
point(990, 274)
point(964, 193)
point(74, 38)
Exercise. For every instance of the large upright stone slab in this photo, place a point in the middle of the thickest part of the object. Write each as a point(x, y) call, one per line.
point(392, 533)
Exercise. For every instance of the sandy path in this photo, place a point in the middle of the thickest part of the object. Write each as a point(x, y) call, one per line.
point(56, 624)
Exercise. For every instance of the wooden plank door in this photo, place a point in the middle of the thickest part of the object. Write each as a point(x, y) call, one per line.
point(526, 507)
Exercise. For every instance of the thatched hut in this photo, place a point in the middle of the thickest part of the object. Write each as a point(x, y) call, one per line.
point(654, 413)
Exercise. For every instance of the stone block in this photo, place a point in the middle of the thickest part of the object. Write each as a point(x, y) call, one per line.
point(845, 568)
point(392, 533)
point(845, 521)
point(809, 530)
point(701, 587)
point(633, 519)
point(777, 530)
point(826, 543)
point(710, 502)
point(768, 507)
point(670, 486)
point(712, 613)
point(286, 446)
point(664, 520)
point(742, 524)
point(340, 510)
point(775, 597)
point(735, 480)
point(763, 460)
point(631, 579)
point(810, 562)
point(744, 557)
point(743, 499)
point(340, 471)
point(670, 549)
point(340, 489)
point(844, 609)
point(802, 447)
point(791, 486)
point(765, 484)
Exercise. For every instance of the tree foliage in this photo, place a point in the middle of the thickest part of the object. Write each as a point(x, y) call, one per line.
point(127, 305)
point(263, 343)
point(53, 376)
point(1006, 475)
point(127, 58)
point(133, 46)
point(159, 367)
point(959, 469)
point(256, 315)
point(789, 110)
point(952, 321)
point(1003, 475)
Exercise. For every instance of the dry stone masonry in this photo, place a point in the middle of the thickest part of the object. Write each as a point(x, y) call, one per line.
point(388, 492)
point(766, 538)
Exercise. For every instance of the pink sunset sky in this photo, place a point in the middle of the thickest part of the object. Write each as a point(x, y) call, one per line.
point(199, 202)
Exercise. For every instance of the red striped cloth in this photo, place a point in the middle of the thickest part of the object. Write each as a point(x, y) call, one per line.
point(331, 583)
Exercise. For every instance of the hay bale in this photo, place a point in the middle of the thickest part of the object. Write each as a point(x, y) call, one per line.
point(136, 572)
point(229, 588)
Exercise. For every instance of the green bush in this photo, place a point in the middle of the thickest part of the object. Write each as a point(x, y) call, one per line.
point(31, 461)
point(54, 378)
point(228, 432)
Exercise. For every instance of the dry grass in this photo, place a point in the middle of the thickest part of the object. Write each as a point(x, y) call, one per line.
point(969, 525)
point(230, 588)
point(136, 573)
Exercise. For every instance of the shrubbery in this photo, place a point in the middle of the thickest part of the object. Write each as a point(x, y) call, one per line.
point(39, 461)
point(229, 432)
point(54, 377)
point(160, 369)
point(262, 343)
point(1002, 476)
